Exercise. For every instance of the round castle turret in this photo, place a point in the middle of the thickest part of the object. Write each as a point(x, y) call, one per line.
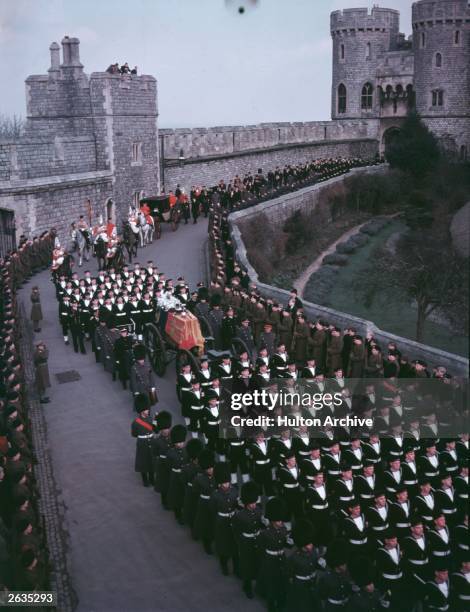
point(441, 44)
point(359, 38)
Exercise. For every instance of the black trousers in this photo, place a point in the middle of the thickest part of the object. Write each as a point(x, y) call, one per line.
point(77, 339)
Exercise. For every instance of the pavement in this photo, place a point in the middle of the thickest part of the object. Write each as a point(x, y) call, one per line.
point(125, 553)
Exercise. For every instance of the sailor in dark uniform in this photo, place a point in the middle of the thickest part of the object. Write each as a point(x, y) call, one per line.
point(247, 526)
point(389, 569)
point(445, 498)
point(424, 503)
point(460, 584)
point(400, 513)
point(437, 590)
point(415, 548)
point(193, 408)
point(378, 517)
point(439, 536)
point(317, 508)
point(261, 462)
point(223, 503)
point(288, 476)
point(365, 484)
point(410, 472)
point(142, 429)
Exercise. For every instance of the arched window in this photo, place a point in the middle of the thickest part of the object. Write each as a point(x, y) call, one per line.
point(368, 50)
point(457, 37)
point(367, 97)
point(341, 51)
point(342, 99)
point(438, 60)
point(423, 40)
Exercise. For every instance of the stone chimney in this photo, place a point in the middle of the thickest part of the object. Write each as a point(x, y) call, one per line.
point(54, 70)
point(71, 66)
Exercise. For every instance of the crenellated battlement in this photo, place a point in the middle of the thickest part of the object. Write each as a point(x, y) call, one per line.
point(431, 13)
point(362, 20)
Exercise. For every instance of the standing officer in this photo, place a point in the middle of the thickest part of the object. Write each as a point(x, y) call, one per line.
point(142, 429)
point(123, 356)
point(142, 377)
point(247, 525)
point(76, 329)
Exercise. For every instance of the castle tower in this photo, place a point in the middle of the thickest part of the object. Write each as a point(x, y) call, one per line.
point(102, 125)
point(359, 38)
point(441, 43)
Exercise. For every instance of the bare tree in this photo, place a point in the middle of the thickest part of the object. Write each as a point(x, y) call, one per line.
point(11, 126)
point(425, 270)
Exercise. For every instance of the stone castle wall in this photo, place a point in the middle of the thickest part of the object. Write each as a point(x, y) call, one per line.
point(218, 153)
point(208, 172)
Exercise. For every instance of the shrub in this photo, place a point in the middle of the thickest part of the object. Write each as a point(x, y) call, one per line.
point(335, 259)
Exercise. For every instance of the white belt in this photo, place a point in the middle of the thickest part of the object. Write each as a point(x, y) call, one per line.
point(463, 546)
point(402, 525)
point(304, 453)
point(197, 407)
point(358, 541)
point(380, 527)
point(262, 461)
point(419, 561)
point(441, 553)
point(431, 473)
point(185, 388)
point(275, 553)
point(463, 495)
point(337, 602)
point(226, 514)
point(334, 472)
point(291, 486)
point(145, 436)
point(251, 535)
point(236, 443)
point(213, 422)
point(204, 496)
point(443, 609)
point(410, 482)
point(449, 510)
point(177, 470)
point(309, 577)
point(316, 507)
point(162, 456)
point(464, 597)
point(348, 498)
point(393, 576)
point(366, 496)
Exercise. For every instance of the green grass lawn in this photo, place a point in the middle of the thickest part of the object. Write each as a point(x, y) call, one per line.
point(392, 315)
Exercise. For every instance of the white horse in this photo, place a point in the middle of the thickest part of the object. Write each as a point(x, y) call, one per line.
point(146, 229)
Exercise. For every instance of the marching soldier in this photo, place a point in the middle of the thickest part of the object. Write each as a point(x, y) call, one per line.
point(176, 458)
point(203, 486)
point(142, 429)
point(160, 447)
point(272, 543)
point(261, 462)
point(302, 566)
point(335, 585)
point(389, 569)
point(190, 470)
point(224, 502)
point(415, 549)
point(247, 526)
